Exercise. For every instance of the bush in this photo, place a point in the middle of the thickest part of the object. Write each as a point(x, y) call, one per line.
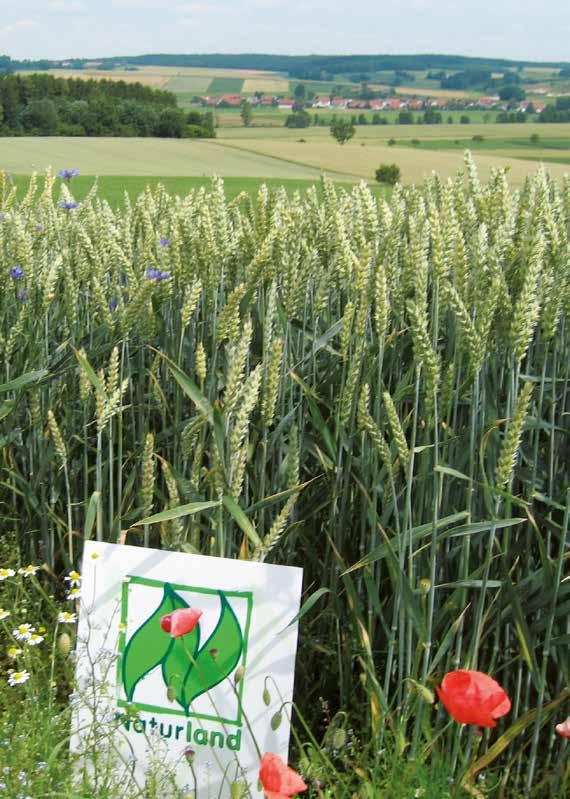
point(391, 142)
point(388, 173)
point(416, 142)
point(477, 137)
point(464, 119)
point(535, 138)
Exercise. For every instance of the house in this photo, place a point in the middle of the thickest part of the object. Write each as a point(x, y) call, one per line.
point(339, 103)
point(286, 104)
point(322, 102)
point(416, 105)
point(267, 99)
point(233, 100)
point(377, 105)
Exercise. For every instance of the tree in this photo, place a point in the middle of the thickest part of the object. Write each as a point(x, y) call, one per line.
point(432, 117)
point(342, 129)
point(41, 115)
point(405, 118)
point(388, 173)
point(300, 91)
point(464, 119)
point(171, 124)
point(362, 120)
point(512, 93)
point(300, 119)
point(246, 113)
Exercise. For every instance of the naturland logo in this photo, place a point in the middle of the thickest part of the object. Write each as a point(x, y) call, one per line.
point(191, 676)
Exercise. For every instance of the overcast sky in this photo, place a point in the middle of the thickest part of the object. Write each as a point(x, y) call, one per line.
point(519, 29)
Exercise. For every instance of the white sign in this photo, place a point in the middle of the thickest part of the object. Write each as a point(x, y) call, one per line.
point(196, 709)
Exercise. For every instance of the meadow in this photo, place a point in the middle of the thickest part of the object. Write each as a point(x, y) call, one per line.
point(375, 389)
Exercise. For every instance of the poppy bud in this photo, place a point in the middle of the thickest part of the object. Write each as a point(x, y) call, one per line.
point(276, 721)
point(239, 675)
point(425, 586)
point(64, 644)
point(189, 754)
point(266, 697)
point(237, 790)
point(422, 691)
point(339, 738)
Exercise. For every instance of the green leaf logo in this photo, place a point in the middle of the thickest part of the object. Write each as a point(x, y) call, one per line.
point(188, 670)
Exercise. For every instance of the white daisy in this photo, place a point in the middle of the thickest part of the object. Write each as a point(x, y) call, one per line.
point(23, 632)
point(13, 652)
point(73, 578)
point(4, 614)
point(4, 573)
point(67, 618)
point(18, 677)
point(74, 593)
point(29, 571)
point(35, 639)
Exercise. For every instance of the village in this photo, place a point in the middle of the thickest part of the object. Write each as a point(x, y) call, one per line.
point(401, 103)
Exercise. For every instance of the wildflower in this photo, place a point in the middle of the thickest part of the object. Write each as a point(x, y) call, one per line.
point(18, 677)
point(68, 174)
point(75, 593)
point(13, 652)
point(180, 622)
point(67, 618)
point(29, 571)
point(156, 274)
point(4, 573)
point(2, 217)
point(39, 228)
point(164, 241)
point(68, 206)
point(35, 639)
point(563, 729)
point(73, 578)
point(22, 295)
point(472, 697)
point(23, 632)
point(278, 780)
point(4, 614)
point(17, 272)
point(113, 305)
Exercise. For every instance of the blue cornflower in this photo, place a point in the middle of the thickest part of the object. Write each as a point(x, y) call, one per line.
point(39, 228)
point(164, 241)
point(22, 295)
point(156, 274)
point(17, 273)
point(113, 305)
point(68, 174)
point(68, 206)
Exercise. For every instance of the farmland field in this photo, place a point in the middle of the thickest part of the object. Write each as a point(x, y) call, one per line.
point(160, 157)
point(375, 389)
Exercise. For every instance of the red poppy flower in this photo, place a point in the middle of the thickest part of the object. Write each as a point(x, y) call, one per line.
point(472, 697)
point(563, 729)
point(180, 622)
point(278, 780)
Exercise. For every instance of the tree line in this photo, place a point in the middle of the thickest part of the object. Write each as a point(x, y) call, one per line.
point(42, 105)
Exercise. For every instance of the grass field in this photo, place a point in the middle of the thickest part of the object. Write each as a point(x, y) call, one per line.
point(112, 188)
point(225, 86)
point(149, 157)
point(266, 85)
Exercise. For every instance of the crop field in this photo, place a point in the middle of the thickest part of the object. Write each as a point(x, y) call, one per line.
point(226, 86)
point(148, 157)
point(273, 85)
point(374, 388)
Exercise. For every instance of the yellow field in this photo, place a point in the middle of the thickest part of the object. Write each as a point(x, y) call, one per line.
point(266, 85)
point(433, 92)
point(356, 159)
point(157, 81)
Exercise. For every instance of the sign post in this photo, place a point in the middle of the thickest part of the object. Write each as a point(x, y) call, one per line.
point(201, 709)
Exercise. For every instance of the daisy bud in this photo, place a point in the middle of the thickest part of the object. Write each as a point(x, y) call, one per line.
point(64, 644)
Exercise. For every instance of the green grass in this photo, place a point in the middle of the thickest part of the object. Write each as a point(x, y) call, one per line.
point(112, 188)
point(561, 144)
point(225, 86)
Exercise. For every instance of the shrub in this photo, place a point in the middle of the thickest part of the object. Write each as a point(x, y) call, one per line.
point(388, 173)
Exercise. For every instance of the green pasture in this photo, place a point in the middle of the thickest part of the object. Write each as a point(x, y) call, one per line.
point(149, 157)
point(225, 86)
point(191, 84)
point(113, 188)
point(561, 145)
